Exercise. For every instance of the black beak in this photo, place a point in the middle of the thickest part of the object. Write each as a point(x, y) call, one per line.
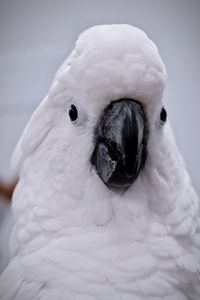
point(120, 143)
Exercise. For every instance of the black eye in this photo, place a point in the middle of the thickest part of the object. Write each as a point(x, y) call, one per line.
point(163, 115)
point(73, 113)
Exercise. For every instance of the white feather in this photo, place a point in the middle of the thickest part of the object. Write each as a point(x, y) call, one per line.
point(74, 238)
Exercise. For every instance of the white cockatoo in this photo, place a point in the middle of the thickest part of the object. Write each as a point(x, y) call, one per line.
point(104, 208)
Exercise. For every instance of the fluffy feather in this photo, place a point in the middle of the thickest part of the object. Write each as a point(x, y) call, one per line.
point(75, 238)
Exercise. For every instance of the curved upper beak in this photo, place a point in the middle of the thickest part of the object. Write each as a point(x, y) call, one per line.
point(120, 143)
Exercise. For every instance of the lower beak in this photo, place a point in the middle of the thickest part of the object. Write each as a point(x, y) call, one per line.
point(120, 143)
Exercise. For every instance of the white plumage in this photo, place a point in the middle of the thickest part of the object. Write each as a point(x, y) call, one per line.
point(73, 237)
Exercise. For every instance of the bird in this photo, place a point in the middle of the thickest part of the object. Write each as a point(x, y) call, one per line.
point(104, 207)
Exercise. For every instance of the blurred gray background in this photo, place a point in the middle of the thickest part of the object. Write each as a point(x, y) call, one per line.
point(35, 37)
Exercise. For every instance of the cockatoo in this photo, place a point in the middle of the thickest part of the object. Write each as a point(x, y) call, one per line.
point(104, 208)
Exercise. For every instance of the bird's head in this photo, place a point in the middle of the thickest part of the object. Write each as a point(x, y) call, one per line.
point(98, 118)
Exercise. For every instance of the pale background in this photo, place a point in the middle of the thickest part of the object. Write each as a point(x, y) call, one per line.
point(35, 37)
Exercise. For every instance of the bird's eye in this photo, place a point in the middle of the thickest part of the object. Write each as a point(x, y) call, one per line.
point(163, 115)
point(73, 113)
